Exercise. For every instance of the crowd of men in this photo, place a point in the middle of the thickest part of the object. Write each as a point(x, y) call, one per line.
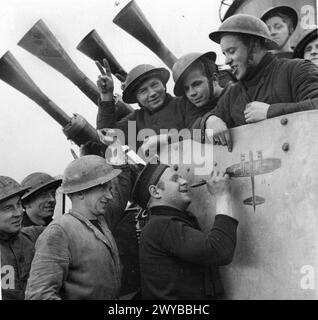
point(78, 256)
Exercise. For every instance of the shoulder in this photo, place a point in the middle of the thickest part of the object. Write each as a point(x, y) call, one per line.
point(32, 232)
point(230, 92)
point(53, 235)
point(293, 64)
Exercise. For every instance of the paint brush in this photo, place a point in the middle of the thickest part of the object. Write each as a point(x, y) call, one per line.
point(198, 184)
point(203, 182)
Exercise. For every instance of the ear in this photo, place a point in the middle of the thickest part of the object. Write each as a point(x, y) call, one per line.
point(215, 77)
point(80, 195)
point(154, 192)
point(26, 205)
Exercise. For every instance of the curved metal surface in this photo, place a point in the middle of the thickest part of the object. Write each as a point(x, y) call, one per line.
point(277, 241)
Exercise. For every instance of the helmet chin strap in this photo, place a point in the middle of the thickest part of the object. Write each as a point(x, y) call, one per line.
point(250, 70)
point(209, 73)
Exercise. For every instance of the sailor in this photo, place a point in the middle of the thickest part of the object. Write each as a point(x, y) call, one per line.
point(16, 243)
point(76, 256)
point(281, 22)
point(145, 85)
point(267, 87)
point(177, 260)
point(39, 202)
point(307, 47)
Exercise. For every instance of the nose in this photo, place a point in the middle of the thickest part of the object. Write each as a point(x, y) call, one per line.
point(18, 211)
point(228, 60)
point(192, 92)
point(152, 93)
point(52, 197)
point(108, 194)
point(183, 182)
point(314, 52)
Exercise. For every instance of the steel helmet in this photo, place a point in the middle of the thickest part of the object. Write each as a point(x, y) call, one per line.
point(39, 181)
point(288, 11)
point(87, 172)
point(10, 188)
point(137, 75)
point(300, 48)
point(244, 24)
point(183, 63)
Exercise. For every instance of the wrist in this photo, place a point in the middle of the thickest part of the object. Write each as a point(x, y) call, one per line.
point(224, 204)
point(106, 96)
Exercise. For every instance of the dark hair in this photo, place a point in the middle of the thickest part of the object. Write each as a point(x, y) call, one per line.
point(93, 148)
point(250, 40)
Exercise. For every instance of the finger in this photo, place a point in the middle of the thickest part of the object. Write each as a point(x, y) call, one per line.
point(120, 77)
point(222, 139)
point(107, 67)
point(228, 139)
point(100, 67)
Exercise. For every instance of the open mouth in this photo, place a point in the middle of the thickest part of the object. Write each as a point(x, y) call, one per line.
point(234, 69)
point(153, 101)
point(184, 189)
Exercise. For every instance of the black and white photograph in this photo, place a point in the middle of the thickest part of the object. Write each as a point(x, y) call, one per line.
point(159, 150)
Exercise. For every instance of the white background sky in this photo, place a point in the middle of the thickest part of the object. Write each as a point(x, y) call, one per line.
point(30, 140)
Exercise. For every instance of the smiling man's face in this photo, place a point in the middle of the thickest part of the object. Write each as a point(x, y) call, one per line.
point(11, 212)
point(174, 190)
point(151, 94)
point(236, 54)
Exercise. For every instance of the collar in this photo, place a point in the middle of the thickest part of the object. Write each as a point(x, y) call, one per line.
point(167, 100)
point(4, 236)
point(173, 212)
point(27, 221)
point(256, 73)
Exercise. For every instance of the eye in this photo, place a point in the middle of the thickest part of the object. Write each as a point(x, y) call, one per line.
point(278, 26)
point(175, 178)
point(197, 83)
point(231, 51)
point(155, 84)
point(141, 91)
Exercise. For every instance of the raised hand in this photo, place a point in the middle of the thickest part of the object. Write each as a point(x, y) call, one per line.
point(105, 83)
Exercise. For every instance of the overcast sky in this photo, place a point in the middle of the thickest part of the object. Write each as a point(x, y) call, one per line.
point(30, 139)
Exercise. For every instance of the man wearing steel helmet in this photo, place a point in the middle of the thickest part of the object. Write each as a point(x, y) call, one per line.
point(145, 85)
point(196, 77)
point(16, 244)
point(177, 260)
point(307, 47)
point(281, 22)
point(77, 257)
point(267, 86)
point(39, 202)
